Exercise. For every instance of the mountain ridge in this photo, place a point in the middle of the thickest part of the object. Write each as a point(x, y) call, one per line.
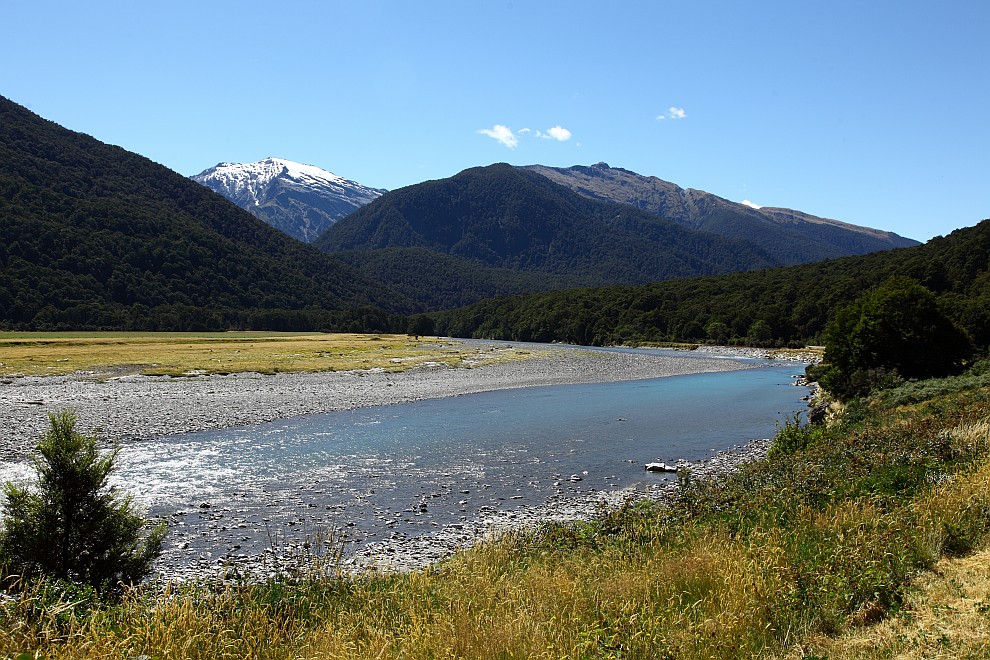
point(795, 236)
point(504, 217)
point(300, 200)
point(507, 217)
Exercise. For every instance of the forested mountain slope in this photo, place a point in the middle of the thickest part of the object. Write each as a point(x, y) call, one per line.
point(96, 236)
point(770, 307)
point(441, 281)
point(503, 217)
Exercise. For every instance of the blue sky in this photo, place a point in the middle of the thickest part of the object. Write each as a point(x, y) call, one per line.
point(876, 113)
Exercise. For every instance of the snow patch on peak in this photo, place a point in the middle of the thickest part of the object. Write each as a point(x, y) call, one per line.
point(750, 204)
point(247, 183)
point(302, 200)
point(300, 171)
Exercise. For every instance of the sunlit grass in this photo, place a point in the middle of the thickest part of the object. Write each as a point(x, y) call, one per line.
point(231, 352)
point(946, 611)
point(825, 549)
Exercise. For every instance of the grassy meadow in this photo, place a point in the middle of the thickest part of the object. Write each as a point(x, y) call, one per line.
point(182, 353)
point(867, 538)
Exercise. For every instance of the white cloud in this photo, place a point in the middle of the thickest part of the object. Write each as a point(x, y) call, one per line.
point(510, 139)
point(558, 133)
point(750, 204)
point(503, 134)
point(673, 113)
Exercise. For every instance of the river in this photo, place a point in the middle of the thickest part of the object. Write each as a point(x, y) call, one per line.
point(408, 471)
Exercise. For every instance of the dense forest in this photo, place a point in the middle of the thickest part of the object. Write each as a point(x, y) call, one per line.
point(774, 307)
point(441, 281)
point(506, 220)
point(98, 237)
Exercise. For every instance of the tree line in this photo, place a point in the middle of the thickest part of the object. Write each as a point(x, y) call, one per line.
point(774, 307)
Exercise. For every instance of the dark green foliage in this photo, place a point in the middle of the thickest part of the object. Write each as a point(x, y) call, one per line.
point(94, 236)
point(420, 325)
point(502, 220)
point(718, 332)
point(794, 436)
point(794, 303)
point(894, 330)
point(442, 281)
point(759, 334)
point(74, 526)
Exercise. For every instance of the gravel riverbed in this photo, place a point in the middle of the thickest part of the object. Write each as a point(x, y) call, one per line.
point(142, 408)
point(411, 554)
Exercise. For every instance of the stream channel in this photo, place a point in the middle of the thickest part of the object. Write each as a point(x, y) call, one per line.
point(416, 480)
point(415, 471)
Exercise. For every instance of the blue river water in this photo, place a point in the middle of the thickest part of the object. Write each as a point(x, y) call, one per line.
point(607, 431)
point(418, 466)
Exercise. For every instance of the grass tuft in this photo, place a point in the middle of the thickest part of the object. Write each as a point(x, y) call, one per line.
point(823, 549)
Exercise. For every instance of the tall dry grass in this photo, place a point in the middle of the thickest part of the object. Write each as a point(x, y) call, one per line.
point(827, 536)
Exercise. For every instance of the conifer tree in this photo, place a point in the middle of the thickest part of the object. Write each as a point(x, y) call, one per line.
point(72, 525)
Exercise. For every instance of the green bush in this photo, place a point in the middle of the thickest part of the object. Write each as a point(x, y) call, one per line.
point(893, 332)
point(793, 436)
point(73, 526)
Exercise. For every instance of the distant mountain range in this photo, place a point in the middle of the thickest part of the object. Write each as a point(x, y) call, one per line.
point(95, 236)
point(301, 200)
point(304, 201)
point(791, 237)
point(98, 237)
point(575, 227)
point(504, 219)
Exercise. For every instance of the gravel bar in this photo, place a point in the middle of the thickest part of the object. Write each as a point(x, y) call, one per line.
point(139, 408)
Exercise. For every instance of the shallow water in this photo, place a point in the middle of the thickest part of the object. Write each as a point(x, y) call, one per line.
point(407, 469)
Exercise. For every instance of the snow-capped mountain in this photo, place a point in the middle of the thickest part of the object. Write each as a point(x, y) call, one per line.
point(301, 200)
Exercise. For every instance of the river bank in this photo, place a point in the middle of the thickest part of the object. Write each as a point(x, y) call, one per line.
point(224, 533)
point(201, 547)
point(135, 407)
point(411, 554)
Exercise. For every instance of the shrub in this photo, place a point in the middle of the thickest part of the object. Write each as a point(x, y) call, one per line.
point(73, 526)
point(793, 436)
point(895, 331)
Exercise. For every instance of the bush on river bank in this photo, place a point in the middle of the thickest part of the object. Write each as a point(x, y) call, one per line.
point(825, 535)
